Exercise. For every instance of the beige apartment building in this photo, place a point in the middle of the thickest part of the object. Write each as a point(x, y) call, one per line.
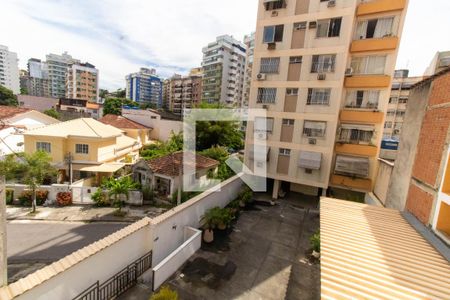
point(323, 71)
point(82, 82)
point(398, 102)
point(183, 92)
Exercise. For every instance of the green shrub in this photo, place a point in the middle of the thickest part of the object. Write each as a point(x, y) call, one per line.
point(165, 293)
point(27, 196)
point(315, 241)
point(100, 198)
point(246, 195)
point(185, 196)
point(9, 197)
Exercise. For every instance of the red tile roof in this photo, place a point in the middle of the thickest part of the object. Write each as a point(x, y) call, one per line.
point(170, 165)
point(7, 112)
point(121, 122)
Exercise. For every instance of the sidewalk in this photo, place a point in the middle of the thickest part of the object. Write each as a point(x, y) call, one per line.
point(82, 213)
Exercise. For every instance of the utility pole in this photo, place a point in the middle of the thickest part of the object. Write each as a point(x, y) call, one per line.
point(3, 255)
point(69, 159)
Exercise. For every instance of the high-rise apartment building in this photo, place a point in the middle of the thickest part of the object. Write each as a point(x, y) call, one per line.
point(82, 82)
point(440, 62)
point(182, 92)
point(57, 73)
point(145, 87)
point(323, 71)
point(249, 41)
point(224, 68)
point(36, 81)
point(398, 102)
point(9, 70)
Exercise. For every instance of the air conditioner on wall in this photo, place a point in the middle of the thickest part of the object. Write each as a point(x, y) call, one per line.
point(349, 72)
point(274, 14)
point(265, 106)
point(312, 141)
point(312, 24)
point(332, 3)
point(321, 76)
point(271, 46)
point(261, 76)
point(261, 135)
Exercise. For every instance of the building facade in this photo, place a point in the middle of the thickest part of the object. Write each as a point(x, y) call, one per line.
point(182, 92)
point(36, 80)
point(57, 73)
point(249, 41)
point(9, 70)
point(224, 68)
point(82, 82)
point(145, 87)
point(323, 70)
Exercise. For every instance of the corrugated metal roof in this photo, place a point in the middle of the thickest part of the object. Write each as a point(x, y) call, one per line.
point(374, 253)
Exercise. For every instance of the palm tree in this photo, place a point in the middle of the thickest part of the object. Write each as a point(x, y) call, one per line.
point(117, 187)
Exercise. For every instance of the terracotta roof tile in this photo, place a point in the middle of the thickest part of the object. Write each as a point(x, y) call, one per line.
point(7, 112)
point(170, 165)
point(121, 122)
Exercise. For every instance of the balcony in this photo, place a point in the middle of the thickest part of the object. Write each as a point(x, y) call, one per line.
point(383, 44)
point(367, 81)
point(356, 149)
point(349, 182)
point(365, 117)
point(380, 6)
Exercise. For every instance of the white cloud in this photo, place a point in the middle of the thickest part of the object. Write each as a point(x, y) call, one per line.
point(120, 36)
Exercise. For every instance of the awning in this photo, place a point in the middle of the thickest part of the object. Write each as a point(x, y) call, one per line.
point(358, 127)
point(371, 252)
point(103, 168)
point(310, 160)
point(352, 165)
point(269, 1)
point(259, 153)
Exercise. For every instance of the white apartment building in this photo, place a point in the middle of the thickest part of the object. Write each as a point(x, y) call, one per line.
point(249, 41)
point(9, 70)
point(224, 70)
point(57, 71)
point(322, 70)
point(82, 82)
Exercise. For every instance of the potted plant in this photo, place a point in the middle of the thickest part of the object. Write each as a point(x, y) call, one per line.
point(224, 218)
point(245, 196)
point(209, 221)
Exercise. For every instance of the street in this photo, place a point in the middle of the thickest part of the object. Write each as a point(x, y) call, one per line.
point(33, 244)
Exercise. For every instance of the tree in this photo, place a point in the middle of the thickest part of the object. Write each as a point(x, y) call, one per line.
point(113, 106)
point(7, 97)
point(23, 91)
point(52, 113)
point(174, 144)
point(33, 169)
point(117, 187)
point(120, 93)
point(103, 93)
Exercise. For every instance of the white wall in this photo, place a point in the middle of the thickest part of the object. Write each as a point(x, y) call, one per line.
point(169, 227)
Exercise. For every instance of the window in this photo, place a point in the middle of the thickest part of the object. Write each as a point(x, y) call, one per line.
point(388, 125)
point(396, 86)
point(329, 28)
point(266, 95)
point(400, 113)
point(390, 113)
point(375, 28)
point(368, 65)
point(292, 92)
point(44, 146)
point(285, 152)
point(82, 149)
point(288, 122)
point(323, 63)
point(356, 134)
point(269, 65)
point(295, 60)
point(393, 100)
point(403, 100)
point(352, 166)
point(318, 97)
point(274, 4)
point(263, 124)
point(314, 128)
point(273, 34)
point(362, 99)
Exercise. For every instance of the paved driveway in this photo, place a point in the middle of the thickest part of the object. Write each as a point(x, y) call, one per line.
point(32, 245)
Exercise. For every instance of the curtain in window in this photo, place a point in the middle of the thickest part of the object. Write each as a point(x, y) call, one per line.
point(322, 28)
point(361, 31)
point(376, 64)
point(384, 27)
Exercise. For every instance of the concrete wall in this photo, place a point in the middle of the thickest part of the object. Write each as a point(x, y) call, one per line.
point(385, 169)
point(169, 227)
point(401, 174)
point(165, 269)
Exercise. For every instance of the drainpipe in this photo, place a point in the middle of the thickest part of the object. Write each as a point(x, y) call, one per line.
point(3, 256)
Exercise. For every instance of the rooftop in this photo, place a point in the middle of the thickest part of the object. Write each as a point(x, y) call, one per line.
point(373, 252)
point(121, 122)
point(171, 165)
point(83, 127)
point(7, 112)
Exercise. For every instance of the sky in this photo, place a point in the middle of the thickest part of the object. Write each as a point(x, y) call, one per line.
point(119, 36)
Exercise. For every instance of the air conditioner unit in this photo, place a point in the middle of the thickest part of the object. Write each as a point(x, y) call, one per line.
point(265, 106)
point(349, 72)
point(271, 46)
point(261, 76)
point(261, 135)
point(312, 141)
point(312, 24)
point(274, 14)
point(321, 76)
point(332, 3)
point(308, 171)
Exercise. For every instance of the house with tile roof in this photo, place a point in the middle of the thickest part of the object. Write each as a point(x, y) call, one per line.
point(131, 128)
point(84, 148)
point(163, 174)
point(13, 121)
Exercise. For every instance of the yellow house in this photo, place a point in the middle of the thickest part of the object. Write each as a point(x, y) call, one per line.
point(84, 148)
point(135, 130)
